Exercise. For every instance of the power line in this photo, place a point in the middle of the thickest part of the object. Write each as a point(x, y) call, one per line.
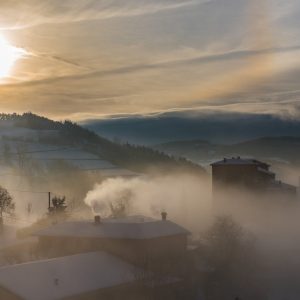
point(32, 192)
point(75, 170)
point(56, 158)
point(19, 175)
point(39, 151)
point(96, 169)
point(59, 158)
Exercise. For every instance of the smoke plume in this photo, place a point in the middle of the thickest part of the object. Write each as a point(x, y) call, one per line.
point(183, 197)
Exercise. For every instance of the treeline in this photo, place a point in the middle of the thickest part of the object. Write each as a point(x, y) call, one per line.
point(132, 157)
point(31, 121)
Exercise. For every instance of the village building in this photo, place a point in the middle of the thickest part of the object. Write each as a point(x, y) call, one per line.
point(14, 249)
point(251, 174)
point(136, 239)
point(86, 276)
point(124, 258)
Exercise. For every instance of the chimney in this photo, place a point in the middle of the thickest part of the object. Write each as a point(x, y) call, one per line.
point(164, 216)
point(97, 220)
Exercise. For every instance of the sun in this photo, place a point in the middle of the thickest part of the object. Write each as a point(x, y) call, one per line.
point(8, 56)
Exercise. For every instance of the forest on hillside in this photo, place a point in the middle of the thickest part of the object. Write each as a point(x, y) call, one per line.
point(132, 157)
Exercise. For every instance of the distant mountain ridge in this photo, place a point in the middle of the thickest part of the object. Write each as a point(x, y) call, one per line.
point(215, 127)
point(285, 149)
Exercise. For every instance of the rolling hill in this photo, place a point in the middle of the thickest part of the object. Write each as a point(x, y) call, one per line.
point(47, 140)
point(38, 156)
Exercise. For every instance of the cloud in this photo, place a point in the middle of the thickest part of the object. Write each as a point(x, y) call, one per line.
point(143, 57)
point(99, 93)
point(233, 55)
point(37, 12)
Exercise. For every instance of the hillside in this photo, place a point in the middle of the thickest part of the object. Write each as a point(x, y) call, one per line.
point(38, 132)
point(39, 156)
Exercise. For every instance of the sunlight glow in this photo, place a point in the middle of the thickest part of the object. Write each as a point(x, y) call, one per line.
point(8, 56)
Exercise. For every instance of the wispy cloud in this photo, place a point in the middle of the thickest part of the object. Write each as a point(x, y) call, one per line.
point(198, 60)
point(115, 57)
point(34, 12)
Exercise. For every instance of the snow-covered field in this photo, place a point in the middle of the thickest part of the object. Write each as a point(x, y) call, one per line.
point(26, 141)
point(23, 148)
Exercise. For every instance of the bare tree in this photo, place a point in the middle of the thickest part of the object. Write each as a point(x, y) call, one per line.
point(231, 252)
point(160, 276)
point(58, 205)
point(156, 278)
point(6, 202)
point(226, 240)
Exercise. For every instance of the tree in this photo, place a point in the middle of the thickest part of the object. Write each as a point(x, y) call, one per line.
point(232, 254)
point(154, 277)
point(226, 241)
point(6, 202)
point(59, 205)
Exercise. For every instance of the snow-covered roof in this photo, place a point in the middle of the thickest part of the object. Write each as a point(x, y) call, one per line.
point(66, 276)
point(239, 161)
point(137, 227)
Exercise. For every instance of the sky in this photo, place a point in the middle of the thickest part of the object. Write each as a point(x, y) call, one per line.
point(89, 59)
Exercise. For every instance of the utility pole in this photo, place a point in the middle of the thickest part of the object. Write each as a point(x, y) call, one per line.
point(49, 200)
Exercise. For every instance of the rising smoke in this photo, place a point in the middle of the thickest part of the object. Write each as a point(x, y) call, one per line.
point(185, 198)
point(188, 201)
point(273, 220)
